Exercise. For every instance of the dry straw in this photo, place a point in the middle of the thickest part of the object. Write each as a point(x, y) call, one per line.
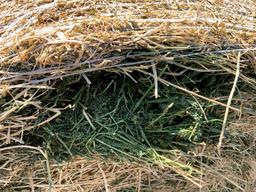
point(43, 41)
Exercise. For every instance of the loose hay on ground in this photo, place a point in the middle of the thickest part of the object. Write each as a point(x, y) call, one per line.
point(50, 52)
point(235, 166)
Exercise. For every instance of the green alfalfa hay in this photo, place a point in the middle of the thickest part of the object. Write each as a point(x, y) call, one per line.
point(188, 52)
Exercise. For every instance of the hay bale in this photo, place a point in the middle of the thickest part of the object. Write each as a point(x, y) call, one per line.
point(47, 47)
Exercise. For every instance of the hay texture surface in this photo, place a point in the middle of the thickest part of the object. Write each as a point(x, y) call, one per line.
point(49, 50)
point(42, 41)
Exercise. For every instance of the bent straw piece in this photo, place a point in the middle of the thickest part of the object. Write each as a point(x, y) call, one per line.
point(229, 103)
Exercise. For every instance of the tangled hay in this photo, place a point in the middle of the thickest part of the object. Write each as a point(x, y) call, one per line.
point(180, 55)
point(42, 41)
point(233, 171)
